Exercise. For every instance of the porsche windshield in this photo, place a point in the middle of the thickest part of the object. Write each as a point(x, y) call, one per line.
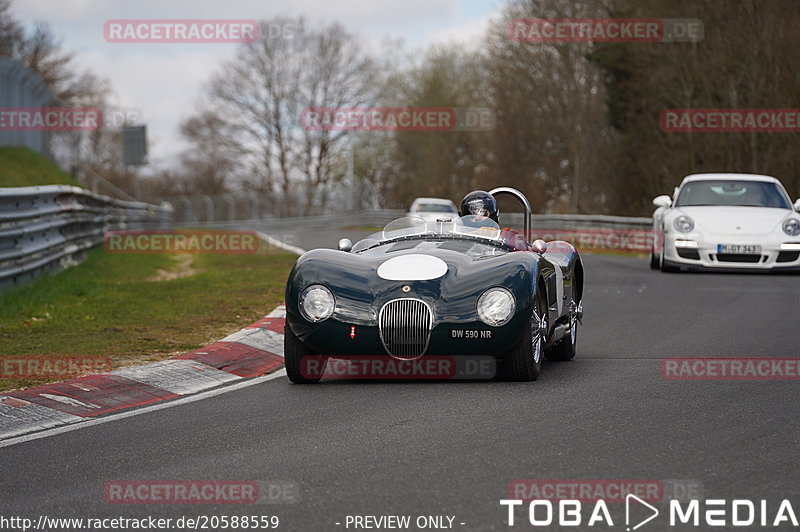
point(415, 228)
point(733, 194)
point(434, 207)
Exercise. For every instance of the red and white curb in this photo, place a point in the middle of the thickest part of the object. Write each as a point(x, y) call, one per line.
point(254, 351)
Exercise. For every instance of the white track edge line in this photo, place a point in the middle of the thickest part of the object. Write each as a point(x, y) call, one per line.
point(74, 425)
point(279, 243)
point(152, 408)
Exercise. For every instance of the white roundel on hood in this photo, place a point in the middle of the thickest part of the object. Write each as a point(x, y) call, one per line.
point(414, 267)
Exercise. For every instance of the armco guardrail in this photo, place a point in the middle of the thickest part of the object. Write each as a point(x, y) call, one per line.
point(50, 227)
point(586, 231)
point(379, 218)
point(376, 218)
point(592, 232)
point(577, 221)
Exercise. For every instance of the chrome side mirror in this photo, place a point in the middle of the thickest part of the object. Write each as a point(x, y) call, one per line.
point(797, 205)
point(345, 244)
point(662, 201)
point(539, 246)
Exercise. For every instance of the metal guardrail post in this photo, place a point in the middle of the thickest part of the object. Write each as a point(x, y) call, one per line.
point(188, 209)
point(209, 208)
point(255, 207)
point(231, 207)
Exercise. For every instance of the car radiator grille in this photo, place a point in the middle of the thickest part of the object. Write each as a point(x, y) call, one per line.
point(405, 327)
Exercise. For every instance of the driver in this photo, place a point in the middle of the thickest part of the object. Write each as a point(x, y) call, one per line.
point(481, 203)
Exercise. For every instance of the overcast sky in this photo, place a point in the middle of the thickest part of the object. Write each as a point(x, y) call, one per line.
point(163, 81)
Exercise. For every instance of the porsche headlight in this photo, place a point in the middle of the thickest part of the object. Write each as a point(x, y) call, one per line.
point(316, 303)
point(791, 227)
point(683, 223)
point(496, 306)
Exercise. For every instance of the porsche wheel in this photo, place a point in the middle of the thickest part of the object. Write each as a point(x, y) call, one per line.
point(663, 263)
point(565, 349)
point(654, 262)
point(524, 362)
point(302, 365)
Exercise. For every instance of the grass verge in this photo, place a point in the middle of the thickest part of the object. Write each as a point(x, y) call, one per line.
point(23, 167)
point(138, 308)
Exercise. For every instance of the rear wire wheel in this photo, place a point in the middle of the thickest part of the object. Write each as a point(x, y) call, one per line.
point(566, 347)
point(524, 361)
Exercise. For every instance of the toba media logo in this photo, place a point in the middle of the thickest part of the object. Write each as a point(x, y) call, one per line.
point(638, 513)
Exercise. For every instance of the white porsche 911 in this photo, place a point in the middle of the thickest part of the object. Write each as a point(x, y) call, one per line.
point(432, 209)
point(726, 221)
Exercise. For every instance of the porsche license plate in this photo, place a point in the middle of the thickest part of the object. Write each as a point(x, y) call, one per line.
point(741, 249)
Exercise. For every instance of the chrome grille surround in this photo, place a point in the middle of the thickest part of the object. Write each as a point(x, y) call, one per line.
point(405, 327)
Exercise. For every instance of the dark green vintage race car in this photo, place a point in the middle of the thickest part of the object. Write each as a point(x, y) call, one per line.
point(421, 290)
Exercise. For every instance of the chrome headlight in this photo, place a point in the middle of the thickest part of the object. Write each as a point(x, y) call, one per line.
point(683, 223)
point(496, 306)
point(316, 303)
point(791, 227)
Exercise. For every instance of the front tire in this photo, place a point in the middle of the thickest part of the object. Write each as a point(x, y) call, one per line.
point(302, 365)
point(524, 362)
point(654, 262)
point(663, 262)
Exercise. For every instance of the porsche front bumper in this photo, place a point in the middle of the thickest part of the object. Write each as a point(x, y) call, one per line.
point(702, 251)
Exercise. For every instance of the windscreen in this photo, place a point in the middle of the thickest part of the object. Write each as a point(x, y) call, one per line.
point(732, 193)
point(435, 207)
point(469, 227)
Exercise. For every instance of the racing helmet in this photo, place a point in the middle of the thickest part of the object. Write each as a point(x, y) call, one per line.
point(480, 203)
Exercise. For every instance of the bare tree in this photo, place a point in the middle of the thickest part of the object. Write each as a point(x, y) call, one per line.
point(11, 33)
point(745, 60)
point(443, 163)
point(212, 158)
point(264, 89)
point(42, 52)
point(551, 136)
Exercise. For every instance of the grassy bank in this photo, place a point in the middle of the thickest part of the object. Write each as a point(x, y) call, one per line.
point(22, 167)
point(138, 308)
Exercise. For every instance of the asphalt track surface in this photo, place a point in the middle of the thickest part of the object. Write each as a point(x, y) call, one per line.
point(452, 448)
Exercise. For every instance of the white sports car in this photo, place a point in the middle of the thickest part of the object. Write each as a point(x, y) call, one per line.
point(726, 221)
point(432, 209)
